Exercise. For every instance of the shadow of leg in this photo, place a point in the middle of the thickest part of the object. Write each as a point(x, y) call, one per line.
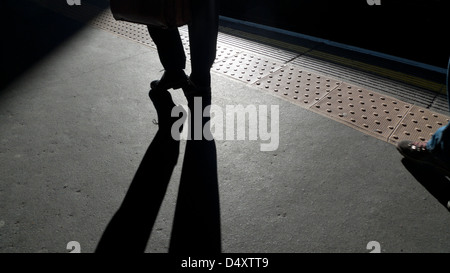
point(432, 180)
point(130, 228)
point(196, 227)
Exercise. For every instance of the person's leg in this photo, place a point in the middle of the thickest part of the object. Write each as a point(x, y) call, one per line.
point(203, 31)
point(436, 151)
point(447, 83)
point(171, 54)
point(169, 46)
point(439, 144)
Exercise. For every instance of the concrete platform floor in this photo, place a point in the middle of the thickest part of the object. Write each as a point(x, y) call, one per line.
point(74, 128)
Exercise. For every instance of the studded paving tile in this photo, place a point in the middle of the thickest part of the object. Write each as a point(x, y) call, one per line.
point(298, 86)
point(373, 113)
point(418, 125)
point(247, 67)
point(225, 52)
point(135, 32)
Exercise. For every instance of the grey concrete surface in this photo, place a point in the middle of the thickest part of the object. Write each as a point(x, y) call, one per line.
point(75, 126)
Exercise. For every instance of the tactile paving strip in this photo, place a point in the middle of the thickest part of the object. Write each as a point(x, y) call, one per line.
point(404, 92)
point(301, 87)
point(375, 114)
point(419, 124)
point(247, 67)
point(225, 52)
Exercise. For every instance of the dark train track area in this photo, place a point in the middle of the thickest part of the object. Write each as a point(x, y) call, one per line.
point(415, 29)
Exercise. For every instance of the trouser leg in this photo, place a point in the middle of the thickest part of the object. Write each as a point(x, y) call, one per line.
point(439, 143)
point(203, 31)
point(170, 48)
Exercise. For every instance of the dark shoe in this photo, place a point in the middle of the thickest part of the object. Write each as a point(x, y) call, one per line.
point(414, 150)
point(418, 151)
point(191, 90)
point(170, 79)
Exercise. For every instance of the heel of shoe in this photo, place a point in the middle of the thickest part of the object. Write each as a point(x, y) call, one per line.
point(170, 80)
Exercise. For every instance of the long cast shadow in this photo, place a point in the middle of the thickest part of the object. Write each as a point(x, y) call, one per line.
point(130, 228)
point(431, 179)
point(196, 227)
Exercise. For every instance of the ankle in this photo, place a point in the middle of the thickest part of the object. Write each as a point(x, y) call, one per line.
point(202, 80)
point(175, 74)
point(195, 90)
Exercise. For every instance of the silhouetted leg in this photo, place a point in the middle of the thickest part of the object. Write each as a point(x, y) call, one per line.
point(439, 144)
point(172, 57)
point(170, 48)
point(203, 31)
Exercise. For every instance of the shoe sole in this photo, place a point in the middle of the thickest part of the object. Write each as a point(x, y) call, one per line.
point(153, 85)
